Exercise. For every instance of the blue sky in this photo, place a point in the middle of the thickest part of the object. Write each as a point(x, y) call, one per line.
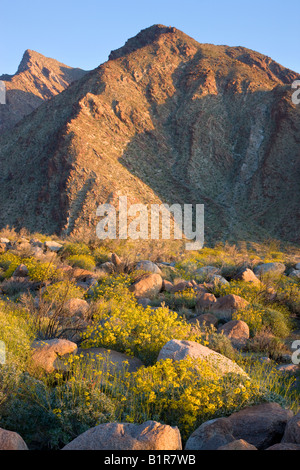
point(82, 33)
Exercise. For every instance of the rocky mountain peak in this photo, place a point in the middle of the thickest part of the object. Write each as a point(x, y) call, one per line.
point(144, 38)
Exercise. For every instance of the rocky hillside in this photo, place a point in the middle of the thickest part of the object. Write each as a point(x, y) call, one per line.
point(38, 79)
point(164, 119)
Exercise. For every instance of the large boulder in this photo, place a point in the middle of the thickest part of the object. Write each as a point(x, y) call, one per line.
point(247, 275)
point(53, 246)
point(239, 444)
point(205, 302)
point(148, 266)
point(206, 319)
point(118, 436)
point(21, 271)
point(211, 435)
point(227, 305)
point(46, 354)
point(265, 268)
point(284, 446)
point(10, 440)
point(183, 285)
point(295, 273)
point(237, 331)
point(147, 285)
point(179, 350)
point(292, 431)
point(260, 425)
point(107, 268)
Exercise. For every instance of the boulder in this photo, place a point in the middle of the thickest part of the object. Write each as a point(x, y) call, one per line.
point(21, 271)
point(247, 275)
point(167, 286)
point(288, 368)
point(292, 431)
point(76, 308)
point(150, 435)
point(211, 435)
point(116, 260)
point(10, 440)
point(179, 350)
point(107, 268)
point(182, 286)
point(239, 444)
point(219, 281)
point(36, 242)
point(276, 268)
point(284, 446)
point(206, 319)
point(225, 306)
point(297, 267)
point(53, 246)
point(205, 302)
point(148, 285)
point(237, 331)
point(148, 266)
point(111, 360)
point(82, 277)
point(260, 425)
point(144, 301)
point(207, 271)
point(46, 354)
point(295, 273)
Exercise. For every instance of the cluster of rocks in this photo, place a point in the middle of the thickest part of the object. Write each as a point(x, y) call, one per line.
point(261, 427)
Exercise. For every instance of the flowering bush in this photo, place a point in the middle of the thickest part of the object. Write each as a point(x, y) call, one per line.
point(82, 261)
point(125, 326)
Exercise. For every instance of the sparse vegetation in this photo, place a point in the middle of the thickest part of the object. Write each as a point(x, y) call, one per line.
point(51, 409)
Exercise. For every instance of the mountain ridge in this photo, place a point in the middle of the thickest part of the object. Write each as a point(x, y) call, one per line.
point(170, 121)
point(37, 79)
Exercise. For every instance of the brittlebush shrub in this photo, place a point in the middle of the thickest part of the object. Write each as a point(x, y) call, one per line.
point(258, 316)
point(186, 393)
point(49, 417)
point(76, 249)
point(9, 262)
point(39, 271)
point(82, 261)
point(62, 291)
point(17, 333)
point(121, 324)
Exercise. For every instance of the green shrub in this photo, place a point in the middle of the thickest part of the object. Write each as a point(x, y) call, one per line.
point(39, 271)
point(125, 326)
point(82, 261)
point(49, 417)
point(71, 249)
point(9, 262)
point(62, 291)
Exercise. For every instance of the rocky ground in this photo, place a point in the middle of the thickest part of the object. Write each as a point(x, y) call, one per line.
point(157, 350)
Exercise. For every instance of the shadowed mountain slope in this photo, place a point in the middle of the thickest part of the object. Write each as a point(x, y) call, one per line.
point(165, 119)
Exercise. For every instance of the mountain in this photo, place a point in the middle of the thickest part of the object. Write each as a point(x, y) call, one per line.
point(38, 79)
point(165, 119)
